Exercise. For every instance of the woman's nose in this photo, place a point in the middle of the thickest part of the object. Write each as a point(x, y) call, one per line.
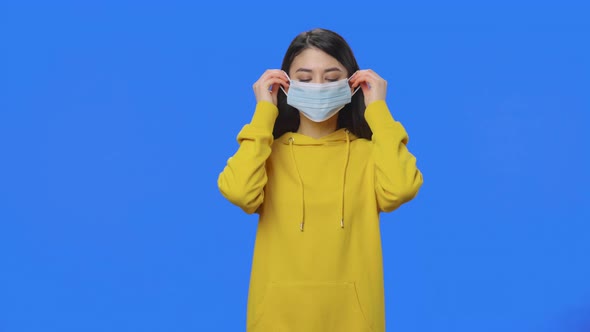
point(318, 80)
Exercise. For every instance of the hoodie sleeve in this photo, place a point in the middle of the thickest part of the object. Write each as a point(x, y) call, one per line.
point(397, 179)
point(243, 179)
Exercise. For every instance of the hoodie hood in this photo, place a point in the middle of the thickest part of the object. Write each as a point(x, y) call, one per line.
point(337, 137)
point(340, 136)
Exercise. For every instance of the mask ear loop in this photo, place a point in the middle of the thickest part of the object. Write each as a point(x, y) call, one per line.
point(280, 86)
point(357, 88)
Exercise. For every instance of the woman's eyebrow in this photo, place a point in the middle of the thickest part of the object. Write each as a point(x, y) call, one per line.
point(332, 69)
point(325, 71)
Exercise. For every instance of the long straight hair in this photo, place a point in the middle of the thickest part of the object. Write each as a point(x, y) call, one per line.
point(352, 116)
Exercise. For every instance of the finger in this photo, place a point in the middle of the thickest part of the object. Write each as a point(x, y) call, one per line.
point(279, 81)
point(284, 78)
point(285, 81)
point(283, 75)
point(275, 90)
point(278, 75)
point(273, 84)
point(355, 74)
point(366, 76)
point(375, 77)
point(360, 77)
point(352, 80)
point(272, 71)
point(269, 73)
point(365, 87)
point(359, 73)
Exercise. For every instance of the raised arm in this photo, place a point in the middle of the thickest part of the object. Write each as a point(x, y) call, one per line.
point(243, 179)
point(397, 179)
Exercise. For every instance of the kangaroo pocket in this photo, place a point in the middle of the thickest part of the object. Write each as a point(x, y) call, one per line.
point(310, 307)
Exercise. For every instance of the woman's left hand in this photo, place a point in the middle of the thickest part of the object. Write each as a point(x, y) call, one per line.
point(374, 87)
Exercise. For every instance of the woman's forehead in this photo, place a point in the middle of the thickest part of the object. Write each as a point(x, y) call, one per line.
point(313, 59)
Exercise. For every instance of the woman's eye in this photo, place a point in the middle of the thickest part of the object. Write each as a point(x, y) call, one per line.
point(306, 80)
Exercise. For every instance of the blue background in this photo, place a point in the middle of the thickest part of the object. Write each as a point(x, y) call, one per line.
point(117, 117)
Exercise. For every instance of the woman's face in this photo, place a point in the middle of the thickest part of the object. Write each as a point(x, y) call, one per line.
point(315, 66)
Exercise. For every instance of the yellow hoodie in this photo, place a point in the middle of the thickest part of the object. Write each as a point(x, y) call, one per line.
point(317, 264)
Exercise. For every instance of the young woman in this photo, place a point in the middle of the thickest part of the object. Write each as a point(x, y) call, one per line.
point(318, 167)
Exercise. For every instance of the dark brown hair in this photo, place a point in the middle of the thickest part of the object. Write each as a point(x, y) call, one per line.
point(352, 116)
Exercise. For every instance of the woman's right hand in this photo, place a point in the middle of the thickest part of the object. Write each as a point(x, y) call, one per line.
point(267, 86)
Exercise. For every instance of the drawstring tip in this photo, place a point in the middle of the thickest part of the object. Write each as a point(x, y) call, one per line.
point(301, 226)
point(342, 223)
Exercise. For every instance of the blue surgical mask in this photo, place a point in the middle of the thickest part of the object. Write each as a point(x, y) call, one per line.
point(319, 101)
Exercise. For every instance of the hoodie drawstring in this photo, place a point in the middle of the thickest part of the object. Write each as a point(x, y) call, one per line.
point(291, 140)
point(344, 178)
point(347, 156)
